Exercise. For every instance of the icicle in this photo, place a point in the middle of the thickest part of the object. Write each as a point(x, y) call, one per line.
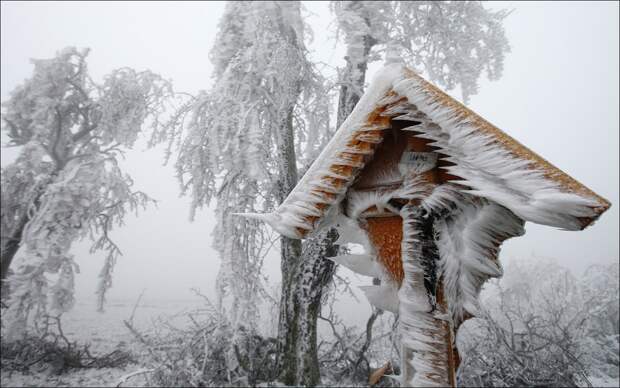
point(384, 297)
point(410, 116)
point(401, 108)
point(275, 221)
point(469, 240)
point(369, 138)
point(491, 168)
point(359, 151)
point(413, 128)
point(389, 99)
point(373, 127)
point(366, 265)
point(349, 231)
point(359, 201)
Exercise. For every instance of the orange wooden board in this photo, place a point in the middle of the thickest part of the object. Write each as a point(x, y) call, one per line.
point(386, 235)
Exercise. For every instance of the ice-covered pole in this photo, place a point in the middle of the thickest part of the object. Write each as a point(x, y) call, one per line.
point(427, 340)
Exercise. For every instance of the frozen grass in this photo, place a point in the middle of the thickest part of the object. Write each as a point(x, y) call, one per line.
point(104, 377)
point(105, 332)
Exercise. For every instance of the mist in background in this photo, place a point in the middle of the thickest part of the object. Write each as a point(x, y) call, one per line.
point(558, 96)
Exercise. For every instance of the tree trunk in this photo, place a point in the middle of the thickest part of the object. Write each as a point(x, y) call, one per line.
point(306, 274)
point(352, 83)
point(289, 320)
point(300, 307)
point(11, 246)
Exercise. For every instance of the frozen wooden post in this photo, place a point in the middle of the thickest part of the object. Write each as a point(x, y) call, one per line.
point(431, 190)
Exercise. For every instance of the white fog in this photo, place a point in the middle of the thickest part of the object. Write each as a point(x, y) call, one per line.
point(557, 94)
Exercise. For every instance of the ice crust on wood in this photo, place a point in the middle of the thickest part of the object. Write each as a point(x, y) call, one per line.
point(469, 240)
point(425, 348)
point(488, 167)
point(491, 169)
point(359, 201)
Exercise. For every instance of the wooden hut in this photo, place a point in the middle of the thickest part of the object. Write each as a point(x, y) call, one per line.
point(431, 190)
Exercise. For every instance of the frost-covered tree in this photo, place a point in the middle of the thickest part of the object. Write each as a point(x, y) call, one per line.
point(66, 183)
point(452, 42)
point(265, 117)
point(544, 327)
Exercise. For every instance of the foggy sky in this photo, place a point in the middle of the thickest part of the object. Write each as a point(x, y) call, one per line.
point(558, 96)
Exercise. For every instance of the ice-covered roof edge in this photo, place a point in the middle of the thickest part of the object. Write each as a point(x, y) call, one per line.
point(301, 201)
point(491, 163)
point(498, 167)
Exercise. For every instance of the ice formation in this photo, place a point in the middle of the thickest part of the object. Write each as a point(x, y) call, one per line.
point(366, 265)
point(384, 296)
point(423, 325)
point(451, 229)
point(490, 163)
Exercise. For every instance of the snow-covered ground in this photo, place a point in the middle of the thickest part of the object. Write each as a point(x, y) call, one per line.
point(104, 377)
point(105, 332)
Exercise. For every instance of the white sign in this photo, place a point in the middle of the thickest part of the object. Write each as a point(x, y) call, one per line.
point(417, 162)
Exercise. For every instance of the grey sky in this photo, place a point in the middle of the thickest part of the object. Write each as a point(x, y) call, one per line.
point(558, 96)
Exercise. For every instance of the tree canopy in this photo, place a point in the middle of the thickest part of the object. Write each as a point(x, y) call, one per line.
point(66, 183)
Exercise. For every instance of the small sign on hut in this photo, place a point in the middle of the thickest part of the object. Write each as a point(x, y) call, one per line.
point(431, 190)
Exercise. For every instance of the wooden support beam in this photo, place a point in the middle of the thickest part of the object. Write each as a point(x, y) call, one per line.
point(386, 235)
point(427, 357)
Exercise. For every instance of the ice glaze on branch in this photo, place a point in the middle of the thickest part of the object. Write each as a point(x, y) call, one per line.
point(450, 42)
point(66, 183)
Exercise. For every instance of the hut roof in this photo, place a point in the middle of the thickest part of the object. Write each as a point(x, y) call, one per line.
point(489, 163)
